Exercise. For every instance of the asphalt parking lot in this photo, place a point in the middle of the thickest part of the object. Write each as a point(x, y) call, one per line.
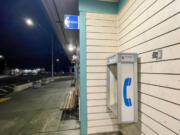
point(36, 112)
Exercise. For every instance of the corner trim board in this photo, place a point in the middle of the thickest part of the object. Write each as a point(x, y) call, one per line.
point(83, 81)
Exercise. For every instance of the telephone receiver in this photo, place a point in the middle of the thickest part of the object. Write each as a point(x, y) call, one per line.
point(127, 83)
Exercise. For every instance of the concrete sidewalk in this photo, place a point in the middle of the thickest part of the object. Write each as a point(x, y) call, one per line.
point(36, 112)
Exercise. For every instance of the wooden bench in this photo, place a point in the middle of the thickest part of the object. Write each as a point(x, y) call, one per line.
point(70, 99)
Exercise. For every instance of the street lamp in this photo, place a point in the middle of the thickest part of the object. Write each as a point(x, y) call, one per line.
point(29, 21)
point(1, 57)
point(57, 60)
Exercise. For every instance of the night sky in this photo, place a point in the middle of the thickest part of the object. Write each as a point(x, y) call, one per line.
point(24, 46)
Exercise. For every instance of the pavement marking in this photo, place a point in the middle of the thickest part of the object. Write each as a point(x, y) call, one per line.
point(4, 99)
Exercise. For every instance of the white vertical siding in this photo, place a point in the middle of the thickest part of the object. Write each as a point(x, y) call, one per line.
point(101, 42)
point(145, 26)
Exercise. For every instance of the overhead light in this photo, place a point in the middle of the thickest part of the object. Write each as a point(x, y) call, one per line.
point(71, 48)
point(29, 22)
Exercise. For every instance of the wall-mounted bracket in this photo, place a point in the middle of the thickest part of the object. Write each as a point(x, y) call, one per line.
point(157, 54)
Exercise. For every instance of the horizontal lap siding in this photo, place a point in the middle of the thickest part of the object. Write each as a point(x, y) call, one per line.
point(98, 56)
point(96, 76)
point(171, 95)
point(100, 116)
point(101, 43)
point(95, 89)
point(145, 26)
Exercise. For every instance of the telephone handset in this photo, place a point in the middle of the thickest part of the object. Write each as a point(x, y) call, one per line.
point(127, 83)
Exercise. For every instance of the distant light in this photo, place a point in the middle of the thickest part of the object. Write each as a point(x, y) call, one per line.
point(1, 57)
point(57, 60)
point(29, 22)
point(71, 48)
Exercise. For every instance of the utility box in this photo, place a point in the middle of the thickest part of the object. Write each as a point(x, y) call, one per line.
point(122, 96)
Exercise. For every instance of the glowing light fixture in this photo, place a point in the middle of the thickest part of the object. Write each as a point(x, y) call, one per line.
point(71, 48)
point(1, 56)
point(57, 60)
point(29, 22)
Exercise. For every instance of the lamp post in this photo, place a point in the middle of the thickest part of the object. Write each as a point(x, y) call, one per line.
point(30, 23)
point(52, 58)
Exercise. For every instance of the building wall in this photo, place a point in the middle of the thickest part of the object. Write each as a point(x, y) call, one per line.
point(145, 26)
point(101, 42)
point(142, 26)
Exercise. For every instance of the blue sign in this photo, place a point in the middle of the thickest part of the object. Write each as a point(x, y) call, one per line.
point(71, 22)
point(127, 83)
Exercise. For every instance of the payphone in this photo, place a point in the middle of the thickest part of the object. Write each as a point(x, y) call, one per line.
point(122, 96)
